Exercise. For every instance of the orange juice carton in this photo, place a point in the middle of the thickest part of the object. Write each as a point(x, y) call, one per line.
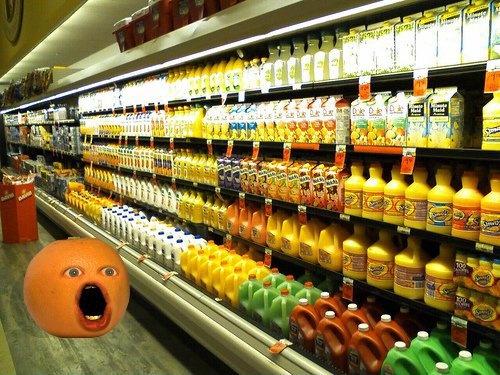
point(446, 118)
point(253, 176)
point(343, 121)
point(304, 131)
point(377, 117)
point(397, 115)
point(272, 187)
point(291, 122)
point(334, 186)
point(316, 120)
point(260, 119)
point(233, 122)
point(305, 179)
point(224, 124)
point(293, 182)
point(367, 59)
point(282, 180)
point(329, 114)
point(318, 186)
point(244, 182)
point(416, 125)
point(385, 51)
point(251, 123)
point(262, 172)
point(359, 121)
point(271, 120)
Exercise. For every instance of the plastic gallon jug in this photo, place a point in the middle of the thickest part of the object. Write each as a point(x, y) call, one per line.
point(232, 257)
point(491, 114)
point(353, 190)
point(327, 303)
point(380, 261)
point(222, 215)
point(409, 270)
point(366, 352)
point(309, 292)
point(197, 263)
point(429, 351)
point(373, 194)
point(352, 317)
point(390, 332)
point(394, 197)
point(442, 333)
point(275, 277)
point(206, 272)
point(467, 208)
point(440, 289)
point(290, 233)
point(309, 239)
point(373, 311)
point(411, 322)
point(232, 284)
point(246, 264)
point(260, 271)
point(354, 253)
point(490, 213)
point(246, 292)
point(246, 221)
point(485, 355)
point(281, 309)
point(274, 228)
point(303, 322)
point(292, 285)
point(179, 247)
point(330, 243)
point(214, 214)
point(440, 203)
point(401, 361)
point(332, 341)
point(465, 363)
point(219, 277)
point(416, 200)
point(262, 301)
point(258, 229)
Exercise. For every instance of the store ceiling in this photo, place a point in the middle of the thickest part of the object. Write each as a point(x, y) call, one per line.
point(72, 45)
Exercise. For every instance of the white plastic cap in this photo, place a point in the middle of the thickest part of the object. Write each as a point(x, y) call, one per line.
point(352, 307)
point(400, 345)
point(422, 335)
point(386, 318)
point(363, 327)
point(465, 355)
point(325, 295)
point(303, 301)
point(442, 368)
point(330, 314)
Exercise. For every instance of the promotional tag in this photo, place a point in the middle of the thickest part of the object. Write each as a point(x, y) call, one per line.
point(492, 78)
point(229, 240)
point(152, 142)
point(340, 153)
point(420, 82)
point(255, 150)
point(172, 146)
point(408, 160)
point(348, 289)
point(229, 150)
point(136, 141)
point(241, 200)
point(459, 331)
point(364, 87)
point(287, 150)
point(241, 96)
point(268, 254)
point(210, 147)
point(302, 214)
point(268, 208)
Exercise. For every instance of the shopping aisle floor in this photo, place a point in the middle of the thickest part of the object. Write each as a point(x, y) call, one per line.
point(145, 341)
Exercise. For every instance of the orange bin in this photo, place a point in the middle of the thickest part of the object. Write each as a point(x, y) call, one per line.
point(18, 210)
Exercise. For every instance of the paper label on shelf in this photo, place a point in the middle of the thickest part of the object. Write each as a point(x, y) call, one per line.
point(287, 148)
point(302, 214)
point(492, 77)
point(268, 207)
point(172, 146)
point(459, 331)
point(279, 346)
point(241, 96)
point(408, 160)
point(345, 217)
point(364, 87)
point(168, 275)
point(142, 258)
point(229, 150)
point(121, 245)
point(340, 154)
point(420, 82)
point(229, 240)
point(347, 289)
point(210, 147)
point(268, 254)
point(255, 150)
point(241, 200)
point(484, 247)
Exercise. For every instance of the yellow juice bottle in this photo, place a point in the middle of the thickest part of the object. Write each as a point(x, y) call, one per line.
point(353, 190)
point(237, 79)
point(467, 208)
point(416, 200)
point(214, 214)
point(197, 209)
point(260, 271)
point(274, 228)
point(490, 213)
point(213, 78)
point(206, 272)
point(330, 243)
point(228, 75)
point(207, 207)
point(186, 260)
point(222, 215)
point(394, 198)
point(219, 276)
point(440, 289)
point(354, 253)
point(246, 264)
point(205, 80)
point(309, 239)
point(290, 233)
point(440, 203)
point(232, 257)
point(195, 265)
point(373, 194)
point(409, 270)
point(220, 85)
point(491, 124)
point(232, 284)
point(380, 261)
point(197, 120)
point(197, 86)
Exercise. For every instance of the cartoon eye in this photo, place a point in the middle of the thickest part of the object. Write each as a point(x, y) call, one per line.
point(109, 271)
point(73, 272)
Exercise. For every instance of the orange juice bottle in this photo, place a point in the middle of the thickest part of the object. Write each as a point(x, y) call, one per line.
point(290, 233)
point(354, 253)
point(196, 263)
point(373, 194)
point(380, 261)
point(440, 289)
point(332, 340)
point(279, 313)
point(353, 190)
point(219, 277)
point(245, 221)
point(303, 322)
point(467, 208)
point(490, 213)
point(232, 257)
point(352, 317)
point(330, 243)
point(394, 198)
point(258, 230)
point(274, 228)
point(308, 240)
point(390, 331)
point(233, 218)
point(416, 200)
point(440, 203)
point(232, 284)
point(186, 260)
point(246, 264)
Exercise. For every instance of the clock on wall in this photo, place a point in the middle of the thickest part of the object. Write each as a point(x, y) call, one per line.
point(12, 16)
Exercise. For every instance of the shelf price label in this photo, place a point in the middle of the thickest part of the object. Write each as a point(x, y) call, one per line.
point(345, 217)
point(241, 96)
point(302, 214)
point(134, 108)
point(268, 207)
point(136, 141)
point(218, 193)
point(403, 230)
point(287, 150)
point(365, 87)
point(268, 254)
point(223, 97)
point(152, 142)
point(125, 141)
point(156, 107)
point(120, 140)
point(348, 288)
point(279, 346)
point(228, 241)
point(229, 150)
point(172, 146)
point(174, 184)
point(484, 247)
point(408, 160)
point(492, 78)
point(153, 179)
point(255, 150)
point(420, 81)
point(459, 331)
point(241, 200)
point(340, 153)
point(210, 147)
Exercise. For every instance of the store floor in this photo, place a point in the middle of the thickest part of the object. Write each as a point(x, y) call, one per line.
point(145, 341)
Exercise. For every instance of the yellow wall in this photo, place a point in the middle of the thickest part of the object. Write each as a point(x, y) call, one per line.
point(40, 17)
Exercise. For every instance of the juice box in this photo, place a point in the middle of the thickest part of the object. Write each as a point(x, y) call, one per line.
point(282, 181)
point(334, 186)
point(329, 120)
point(304, 132)
point(224, 122)
point(253, 177)
point(446, 118)
point(316, 120)
point(318, 186)
point(385, 47)
point(272, 187)
point(305, 178)
point(426, 39)
point(262, 173)
point(244, 174)
point(260, 123)
point(241, 119)
point(293, 182)
point(235, 166)
point(478, 277)
point(397, 115)
point(228, 173)
point(404, 36)
point(291, 122)
point(251, 123)
point(377, 117)
point(350, 45)
point(343, 121)
point(359, 122)
point(416, 125)
point(450, 35)
point(495, 30)
point(367, 52)
point(280, 121)
point(476, 32)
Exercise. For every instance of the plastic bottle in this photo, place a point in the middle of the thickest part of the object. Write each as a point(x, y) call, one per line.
point(232, 257)
point(237, 71)
point(232, 283)
point(467, 208)
point(280, 311)
point(262, 301)
point(353, 190)
point(380, 261)
point(309, 292)
point(274, 228)
point(303, 322)
point(440, 289)
point(442, 333)
point(391, 332)
point(373, 194)
point(320, 58)
point(246, 292)
point(291, 284)
point(440, 203)
point(308, 240)
point(366, 352)
point(259, 227)
point(409, 270)
point(466, 364)
point(394, 198)
point(290, 233)
point(429, 351)
point(330, 243)
point(402, 361)
point(326, 303)
point(410, 321)
point(245, 221)
point(233, 218)
point(332, 341)
point(219, 276)
point(491, 114)
point(416, 200)
point(294, 61)
point(485, 355)
point(267, 69)
point(352, 317)
point(246, 264)
point(373, 311)
point(179, 247)
point(280, 66)
point(490, 213)
point(197, 265)
point(354, 253)
point(187, 260)
point(275, 277)
point(307, 60)
point(206, 272)
point(260, 271)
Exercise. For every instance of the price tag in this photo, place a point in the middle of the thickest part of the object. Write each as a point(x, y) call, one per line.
point(408, 160)
point(279, 346)
point(142, 258)
point(492, 78)
point(348, 289)
point(229, 150)
point(229, 240)
point(264, 89)
point(459, 331)
point(403, 230)
point(340, 153)
point(125, 142)
point(154, 179)
point(287, 150)
point(120, 140)
point(168, 275)
point(120, 246)
point(268, 208)
point(218, 193)
point(156, 107)
point(484, 247)
point(136, 141)
point(241, 201)
point(134, 174)
point(345, 217)
point(255, 150)
point(268, 254)
point(365, 87)
point(172, 146)
point(297, 86)
point(302, 214)
point(420, 81)
point(152, 142)
point(210, 147)
point(134, 109)
point(241, 96)
point(223, 98)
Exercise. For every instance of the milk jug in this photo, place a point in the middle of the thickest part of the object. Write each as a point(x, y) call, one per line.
point(332, 341)
point(467, 208)
point(380, 261)
point(440, 203)
point(490, 213)
point(308, 240)
point(416, 200)
point(373, 194)
point(262, 301)
point(394, 198)
point(354, 253)
point(440, 289)
point(330, 243)
point(303, 322)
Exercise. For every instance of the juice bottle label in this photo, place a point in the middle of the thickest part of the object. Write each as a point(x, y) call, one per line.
point(354, 262)
point(490, 223)
point(466, 218)
point(409, 277)
point(463, 306)
point(324, 257)
point(484, 312)
point(355, 363)
point(373, 202)
point(416, 209)
point(440, 214)
point(286, 244)
point(440, 289)
point(320, 347)
point(380, 269)
point(460, 269)
point(305, 250)
point(295, 335)
point(483, 277)
point(394, 205)
point(353, 199)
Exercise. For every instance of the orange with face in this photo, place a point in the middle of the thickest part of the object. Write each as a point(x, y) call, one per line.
point(76, 288)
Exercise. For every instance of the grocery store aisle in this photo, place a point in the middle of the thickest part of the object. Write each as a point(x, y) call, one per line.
point(145, 341)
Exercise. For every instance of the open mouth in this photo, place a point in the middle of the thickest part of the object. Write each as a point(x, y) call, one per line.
point(92, 304)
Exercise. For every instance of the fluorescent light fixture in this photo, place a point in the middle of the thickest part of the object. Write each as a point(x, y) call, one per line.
point(223, 48)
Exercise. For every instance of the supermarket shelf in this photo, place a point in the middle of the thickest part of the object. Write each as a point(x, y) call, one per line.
point(60, 152)
point(59, 122)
